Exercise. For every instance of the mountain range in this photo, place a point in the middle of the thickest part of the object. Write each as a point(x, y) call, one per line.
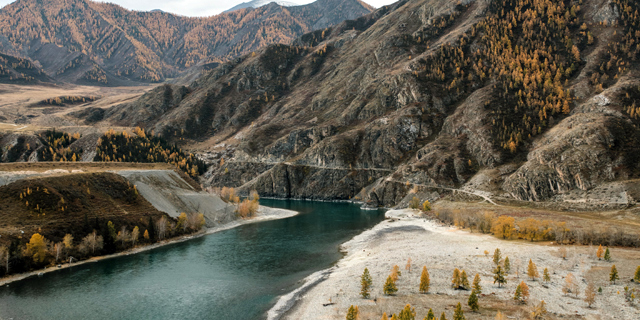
point(260, 3)
point(86, 42)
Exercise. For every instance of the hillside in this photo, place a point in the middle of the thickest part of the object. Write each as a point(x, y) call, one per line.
point(530, 100)
point(99, 43)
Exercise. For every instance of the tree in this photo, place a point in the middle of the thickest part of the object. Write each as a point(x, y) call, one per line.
point(182, 222)
point(497, 256)
point(600, 252)
point(545, 275)
point(152, 230)
point(92, 242)
point(111, 229)
point(473, 301)
point(68, 241)
point(390, 286)
point(425, 281)
point(407, 313)
point(613, 276)
point(365, 283)
point(123, 235)
point(607, 255)
point(443, 316)
point(395, 273)
point(352, 313)
point(414, 203)
point(499, 276)
point(408, 266)
point(456, 281)
point(532, 270)
point(476, 284)
point(458, 314)
point(464, 281)
point(522, 293)
point(507, 265)
point(503, 227)
point(384, 316)
point(37, 248)
point(539, 312)
point(636, 277)
point(426, 206)
point(430, 315)
point(570, 285)
point(590, 294)
point(134, 235)
point(57, 250)
point(146, 234)
point(161, 227)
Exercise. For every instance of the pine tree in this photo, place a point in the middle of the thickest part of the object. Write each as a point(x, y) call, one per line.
point(455, 279)
point(464, 281)
point(522, 293)
point(607, 255)
point(613, 276)
point(497, 256)
point(390, 286)
point(384, 316)
point(599, 252)
point(458, 314)
point(532, 270)
point(590, 294)
point(152, 230)
point(394, 317)
point(518, 294)
point(545, 275)
point(443, 316)
point(430, 315)
point(425, 281)
point(407, 313)
point(352, 313)
point(473, 301)
point(507, 265)
point(499, 276)
point(636, 277)
point(476, 284)
point(365, 282)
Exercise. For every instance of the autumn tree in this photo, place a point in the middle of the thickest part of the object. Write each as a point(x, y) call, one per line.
point(476, 284)
point(407, 313)
point(636, 276)
point(532, 270)
point(395, 273)
point(570, 285)
point(134, 235)
point(590, 294)
point(146, 234)
point(425, 281)
point(500, 316)
point(600, 252)
point(545, 276)
point(390, 286)
point(522, 293)
point(456, 280)
point(37, 248)
point(497, 257)
point(430, 315)
point(92, 242)
point(353, 313)
point(414, 203)
point(464, 280)
point(408, 266)
point(458, 314)
point(473, 301)
point(161, 227)
point(539, 312)
point(507, 265)
point(426, 206)
point(365, 283)
point(68, 241)
point(498, 276)
point(123, 235)
point(613, 275)
point(503, 227)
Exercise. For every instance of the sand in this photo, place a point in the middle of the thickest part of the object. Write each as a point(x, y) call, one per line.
point(406, 234)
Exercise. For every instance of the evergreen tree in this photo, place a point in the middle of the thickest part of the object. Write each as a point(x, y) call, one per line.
point(607, 255)
point(390, 286)
point(499, 276)
point(109, 241)
point(497, 256)
point(476, 284)
point(425, 281)
point(545, 275)
point(518, 294)
point(152, 230)
point(473, 301)
point(464, 281)
point(532, 270)
point(430, 315)
point(352, 313)
point(458, 314)
point(365, 282)
point(443, 316)
point(636, 277)
point(613, 276)
point(522, 293)
point(407, 313)
point(507, 265)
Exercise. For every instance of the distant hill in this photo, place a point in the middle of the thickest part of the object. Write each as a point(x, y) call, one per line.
point(260, 3)
point(98, 43)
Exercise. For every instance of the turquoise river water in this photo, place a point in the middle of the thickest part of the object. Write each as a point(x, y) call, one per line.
point(234, 274)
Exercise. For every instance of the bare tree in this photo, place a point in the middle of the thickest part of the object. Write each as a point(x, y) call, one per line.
point(92, 242)
point(123, 235)
point(161, 227)
point(134, 235)
point(57, 250)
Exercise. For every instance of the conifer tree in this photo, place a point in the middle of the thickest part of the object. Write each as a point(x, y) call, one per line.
point(532, 270)
point(395, 272)
point(152, 230)
point(430, 315)
point(607, 255)
point(352, 313)
point(407, 313)
point(394, 317)
point(570, 285)
point(384, 316)
point(473, 301)
point(499, 276)
point(507, 265)
point(613, 276)
point(146, 235)
point(464, 281)
point(443, 316)
point(365, 283)
point(497, 256)
point(390, 286)
point(545, 275)
point(636, 277)
point(425, 281)
point(476, 284)
point(522, 293)
point(590, 294)
point(458, 314)
point(600, 252)
point(456, 281)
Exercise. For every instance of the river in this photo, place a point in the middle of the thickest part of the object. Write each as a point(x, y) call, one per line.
point(233, 274)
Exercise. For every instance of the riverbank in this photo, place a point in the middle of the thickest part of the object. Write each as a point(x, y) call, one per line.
point(264, 214)
point(407, 234)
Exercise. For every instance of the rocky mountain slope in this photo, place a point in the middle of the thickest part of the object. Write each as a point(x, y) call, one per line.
point(530, 100)
point(99, 43)
point(260, 3)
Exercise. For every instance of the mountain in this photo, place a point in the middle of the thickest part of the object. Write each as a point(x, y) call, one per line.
point(87, 42)
point(528, 100)
point(260, 3)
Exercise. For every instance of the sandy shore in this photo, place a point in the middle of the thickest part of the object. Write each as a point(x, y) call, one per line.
point(264, 214)
point(408, 235)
